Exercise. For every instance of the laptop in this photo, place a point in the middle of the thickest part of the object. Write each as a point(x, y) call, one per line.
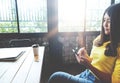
point(11, 54)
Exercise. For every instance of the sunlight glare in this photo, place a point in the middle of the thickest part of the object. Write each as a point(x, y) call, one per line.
point(71, 12)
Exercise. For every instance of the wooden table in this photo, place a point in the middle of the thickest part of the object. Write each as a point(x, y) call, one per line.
point(23, 70)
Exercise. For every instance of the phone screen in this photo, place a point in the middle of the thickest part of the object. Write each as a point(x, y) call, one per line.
point(75, 51)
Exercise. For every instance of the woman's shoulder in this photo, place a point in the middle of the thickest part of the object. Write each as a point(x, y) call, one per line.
point(97, 39)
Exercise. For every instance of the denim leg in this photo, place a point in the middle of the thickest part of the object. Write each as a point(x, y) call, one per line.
point(62, 77)
point(86, 75)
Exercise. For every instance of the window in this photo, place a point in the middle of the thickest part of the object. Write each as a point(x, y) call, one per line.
point(117, 1)
point(23, 16)
point(7, 16)
point(80, 15)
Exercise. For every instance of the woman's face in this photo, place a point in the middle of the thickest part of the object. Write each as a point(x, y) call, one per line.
point(106, 24)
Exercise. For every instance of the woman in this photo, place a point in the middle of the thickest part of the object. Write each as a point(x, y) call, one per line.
point(103, 64)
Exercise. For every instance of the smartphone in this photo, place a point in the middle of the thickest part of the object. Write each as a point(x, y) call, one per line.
point(75, 51)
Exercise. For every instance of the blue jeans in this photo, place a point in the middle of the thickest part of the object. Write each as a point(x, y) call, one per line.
point(63, 77)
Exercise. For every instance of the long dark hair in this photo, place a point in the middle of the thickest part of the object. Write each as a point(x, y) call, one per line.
point(114, 13)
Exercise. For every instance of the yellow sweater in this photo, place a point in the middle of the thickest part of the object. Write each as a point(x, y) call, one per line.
point(107, 64)
point(100, 61)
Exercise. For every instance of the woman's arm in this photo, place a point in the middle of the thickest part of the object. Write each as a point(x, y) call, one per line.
point(85, 60)
point(105, 77)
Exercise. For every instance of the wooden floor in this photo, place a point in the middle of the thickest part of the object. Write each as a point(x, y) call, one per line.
point(70, 68)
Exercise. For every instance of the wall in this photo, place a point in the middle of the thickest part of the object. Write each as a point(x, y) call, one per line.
point(71, 41)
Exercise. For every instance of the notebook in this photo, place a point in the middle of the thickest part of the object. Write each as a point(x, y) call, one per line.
point(11, 54)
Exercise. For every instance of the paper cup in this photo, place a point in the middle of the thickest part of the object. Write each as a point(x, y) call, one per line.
point(36, 51)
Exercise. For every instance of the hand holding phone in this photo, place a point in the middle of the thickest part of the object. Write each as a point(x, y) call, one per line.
point(75, 51)
point(82, 52)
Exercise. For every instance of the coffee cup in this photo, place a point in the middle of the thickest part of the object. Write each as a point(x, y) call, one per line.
point(36, 51)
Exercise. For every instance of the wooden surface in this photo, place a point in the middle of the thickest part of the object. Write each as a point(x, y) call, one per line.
point(24, 70)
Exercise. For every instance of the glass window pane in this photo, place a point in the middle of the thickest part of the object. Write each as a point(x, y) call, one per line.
point(80, 15)
point(32, 16)
point(94, 12)
point(8, 16)
point(69, 15)
point(117, 1)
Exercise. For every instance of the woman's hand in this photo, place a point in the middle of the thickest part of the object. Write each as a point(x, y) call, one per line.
point(83, 57)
